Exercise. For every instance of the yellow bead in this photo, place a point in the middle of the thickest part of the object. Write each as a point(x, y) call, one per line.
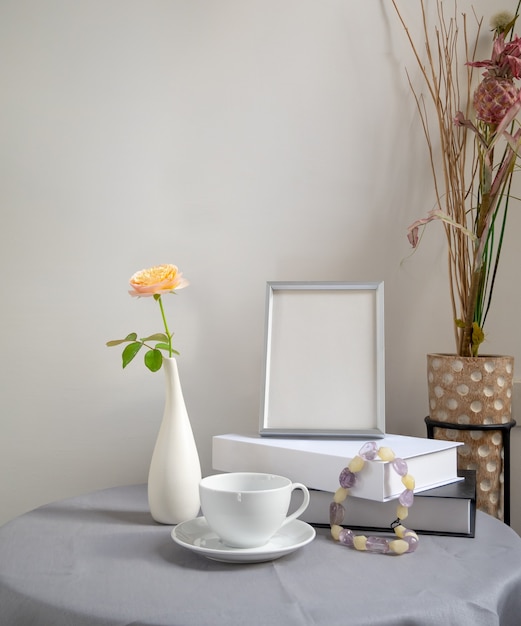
point(386, 454)
point(398, 546)
point(356, 464)
point(402, 512)
point(411, 533)
point(335, 531)
point(359, 542)
point(408, 482)
point(340, 495)
point(400, 531)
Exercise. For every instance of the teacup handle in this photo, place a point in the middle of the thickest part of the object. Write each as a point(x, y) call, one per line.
point(302, 507)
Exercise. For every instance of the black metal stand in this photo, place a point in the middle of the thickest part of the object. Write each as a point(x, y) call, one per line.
point(504, 429)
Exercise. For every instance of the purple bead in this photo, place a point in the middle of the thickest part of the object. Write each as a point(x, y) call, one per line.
point(347, 479)
point(412, 541)
point(369, 451)
point(400, 467)
point(336, 513)
point(377, 544)
point(406, 498)
point(346, 537)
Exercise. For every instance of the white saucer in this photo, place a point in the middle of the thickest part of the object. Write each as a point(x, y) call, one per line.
point(197, 536)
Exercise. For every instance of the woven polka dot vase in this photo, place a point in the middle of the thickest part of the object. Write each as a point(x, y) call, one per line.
point(473, 391)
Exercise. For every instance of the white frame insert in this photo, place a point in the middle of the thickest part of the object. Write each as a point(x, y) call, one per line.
point(324, 360)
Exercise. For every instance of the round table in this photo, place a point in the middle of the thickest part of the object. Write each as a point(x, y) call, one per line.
point(99, 559)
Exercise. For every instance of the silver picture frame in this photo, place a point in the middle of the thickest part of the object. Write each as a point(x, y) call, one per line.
point(324, 366)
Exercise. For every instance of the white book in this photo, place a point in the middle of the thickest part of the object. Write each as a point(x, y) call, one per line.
point(446, 510)
point(318, 462)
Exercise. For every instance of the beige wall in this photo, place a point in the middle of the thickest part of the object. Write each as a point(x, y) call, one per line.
point(245, 141)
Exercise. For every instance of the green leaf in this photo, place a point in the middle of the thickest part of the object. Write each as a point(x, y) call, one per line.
point(156, 337)
point(162, 346)
point(130, 352)
point(117, 342)
point(478, 337)
point(153, 360)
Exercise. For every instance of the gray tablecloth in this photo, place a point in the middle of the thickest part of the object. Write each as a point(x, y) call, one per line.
point(100, 559)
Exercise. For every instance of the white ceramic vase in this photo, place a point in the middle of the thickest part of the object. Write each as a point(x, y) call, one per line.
point(175, 470)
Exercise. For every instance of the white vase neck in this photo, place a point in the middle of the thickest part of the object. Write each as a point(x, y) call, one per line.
point(169, 363)
point(173, 389)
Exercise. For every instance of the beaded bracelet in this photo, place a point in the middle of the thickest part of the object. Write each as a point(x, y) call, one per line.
point(407, 540)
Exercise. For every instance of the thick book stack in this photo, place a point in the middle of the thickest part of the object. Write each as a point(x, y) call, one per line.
point(444, 501)
point(446, 510)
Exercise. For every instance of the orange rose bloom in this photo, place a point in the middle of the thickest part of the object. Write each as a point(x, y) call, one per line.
point(157, 280)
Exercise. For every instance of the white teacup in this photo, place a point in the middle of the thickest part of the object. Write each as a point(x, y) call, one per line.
point(246, 509)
